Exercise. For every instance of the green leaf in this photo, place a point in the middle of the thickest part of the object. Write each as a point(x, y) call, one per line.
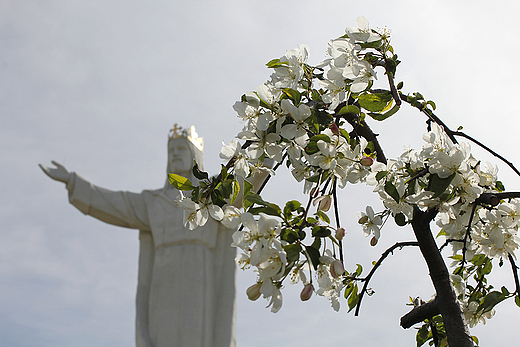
point(353, 299)
point(381, 174)
point(291, 206)
point(323, 216)
point(321, 137)
point(314, 178)
point(374, 102)
point(314, 254)
point(392, 191)
point(439, 185)
point(294, 95)
point(267, 207)
point(422, 335)
point(345, 134)
point(490, 301)
point(201, 175)
point(348, 290)
point(217, 199)
point(248, 189)
point(270, 209)
point(320, 231)
point(372, 44)
point(275, 63)
point(289, 235)
point(236, 190)
point(323, 118)
point(359, 270)
point(179, 182)
point(400, 219)
point(517, 300)
point(257, 199)
point(293, 252)
point(383, 116)
point(349, 109)
point(315, 95)
point(311, 148)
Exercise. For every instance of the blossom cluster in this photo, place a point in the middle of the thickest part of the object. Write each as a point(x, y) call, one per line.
point(444, 175)
point(311, 118)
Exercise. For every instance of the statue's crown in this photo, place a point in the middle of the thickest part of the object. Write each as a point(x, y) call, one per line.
point(178, 132)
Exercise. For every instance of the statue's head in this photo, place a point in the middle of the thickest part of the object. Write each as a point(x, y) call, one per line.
point(184, 146)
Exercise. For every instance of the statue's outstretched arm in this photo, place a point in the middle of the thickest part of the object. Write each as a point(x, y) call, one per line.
point(60, 173)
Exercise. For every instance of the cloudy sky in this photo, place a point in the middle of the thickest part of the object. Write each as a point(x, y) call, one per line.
point(96, 85)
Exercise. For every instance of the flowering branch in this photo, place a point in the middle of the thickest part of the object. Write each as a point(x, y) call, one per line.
point(316, 121)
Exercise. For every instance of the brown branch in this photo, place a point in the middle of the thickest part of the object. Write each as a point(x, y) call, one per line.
point(364, 130)
point(376, 265)
point(420, 313)
point(451, 134)
point(456, 329)
point(336, 215)
point(461, 134)
point(514, 267)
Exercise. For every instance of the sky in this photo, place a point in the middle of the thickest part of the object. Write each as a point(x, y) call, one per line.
point(96, 86)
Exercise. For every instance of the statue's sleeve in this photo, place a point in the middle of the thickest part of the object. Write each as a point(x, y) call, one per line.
point(119, 208)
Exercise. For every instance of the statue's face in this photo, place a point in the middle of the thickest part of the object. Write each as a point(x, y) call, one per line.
point(180, 159)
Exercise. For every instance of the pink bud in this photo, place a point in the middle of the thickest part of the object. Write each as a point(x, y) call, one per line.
point(253, 292)
point(306, 292)
point(367, 161)
point(324, 202)
point(340, 233)
point(334, 128)
point(336, 269)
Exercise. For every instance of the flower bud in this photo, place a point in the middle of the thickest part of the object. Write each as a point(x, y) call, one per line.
point(373, 241)
point(306, 292)
point(324, 202)
point(367, 161)
point(336, 269)
point(334, 128)
point(253, 292)
point(340, 233)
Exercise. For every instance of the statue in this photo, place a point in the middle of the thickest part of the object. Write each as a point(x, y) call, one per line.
point(186, 280)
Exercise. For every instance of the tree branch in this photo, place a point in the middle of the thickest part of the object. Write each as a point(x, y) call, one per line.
point(451, 134)
point(514, 267)
point(420, 313)
point(379, 262)
point(456, 329)
point(362, 129)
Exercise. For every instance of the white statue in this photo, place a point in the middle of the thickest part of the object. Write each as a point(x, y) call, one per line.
point(186, 280)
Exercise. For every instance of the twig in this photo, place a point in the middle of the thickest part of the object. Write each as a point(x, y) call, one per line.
point(514, 267)
point(451, 134)
point(336, 215)
point(480, 144)
point(374, 268)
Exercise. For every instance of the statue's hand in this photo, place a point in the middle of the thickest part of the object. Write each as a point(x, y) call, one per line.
point(60, 173)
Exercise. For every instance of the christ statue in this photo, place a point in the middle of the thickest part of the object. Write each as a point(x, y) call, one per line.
point(186, 280)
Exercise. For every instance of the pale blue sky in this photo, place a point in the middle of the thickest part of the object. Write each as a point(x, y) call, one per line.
point(96, 85)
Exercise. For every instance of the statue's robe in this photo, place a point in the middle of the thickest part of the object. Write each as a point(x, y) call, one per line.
point(186, 280)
